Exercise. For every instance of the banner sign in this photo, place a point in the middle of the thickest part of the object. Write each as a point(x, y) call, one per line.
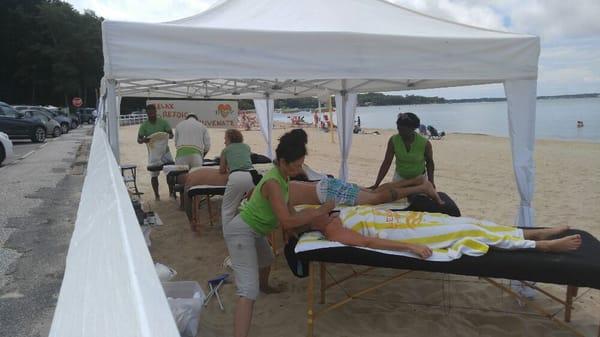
point(213, 114)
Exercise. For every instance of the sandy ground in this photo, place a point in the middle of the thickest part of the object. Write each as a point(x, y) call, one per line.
point(475, 170)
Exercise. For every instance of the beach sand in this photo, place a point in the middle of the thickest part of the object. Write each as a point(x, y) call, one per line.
point(475, 170)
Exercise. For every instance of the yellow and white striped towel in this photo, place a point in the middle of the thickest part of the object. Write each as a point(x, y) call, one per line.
point(449, 237)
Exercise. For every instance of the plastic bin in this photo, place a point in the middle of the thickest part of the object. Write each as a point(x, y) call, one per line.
point(185, 299)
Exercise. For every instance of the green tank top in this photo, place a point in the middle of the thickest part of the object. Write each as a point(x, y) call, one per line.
point(410, 164)
point(238, 156)
point(257, 212)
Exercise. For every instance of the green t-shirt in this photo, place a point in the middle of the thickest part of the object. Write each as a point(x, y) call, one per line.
point(257, 212)
point(410, 164)
point(147, 128)
point(237, 156)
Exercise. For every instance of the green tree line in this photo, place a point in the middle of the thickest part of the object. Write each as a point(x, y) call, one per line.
point(50, 53)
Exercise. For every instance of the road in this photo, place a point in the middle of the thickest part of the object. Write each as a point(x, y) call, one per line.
point(39, 196)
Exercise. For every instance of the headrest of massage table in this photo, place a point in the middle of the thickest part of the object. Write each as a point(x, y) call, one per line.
point(260, 159)
point(423, 203)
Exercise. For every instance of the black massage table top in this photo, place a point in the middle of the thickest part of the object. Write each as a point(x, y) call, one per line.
point(578, 268)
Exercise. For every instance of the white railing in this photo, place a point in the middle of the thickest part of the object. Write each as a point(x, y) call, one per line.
point(132, 119)
point(110, 286)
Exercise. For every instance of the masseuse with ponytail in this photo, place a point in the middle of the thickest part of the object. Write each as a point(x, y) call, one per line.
point(251, 255)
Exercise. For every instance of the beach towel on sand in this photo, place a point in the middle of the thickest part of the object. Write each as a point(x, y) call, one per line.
point(449, 237)
point(158, 149)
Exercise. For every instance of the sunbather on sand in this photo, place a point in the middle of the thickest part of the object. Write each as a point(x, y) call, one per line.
point(343, 193)
point(421, 233)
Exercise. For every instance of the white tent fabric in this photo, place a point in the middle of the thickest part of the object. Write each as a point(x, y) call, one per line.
point(346, 109)
point(264, 110)
point(287, 48)
point(374, 44)
point(521, 97)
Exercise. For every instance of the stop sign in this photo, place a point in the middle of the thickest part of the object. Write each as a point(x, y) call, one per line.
point(77, 102)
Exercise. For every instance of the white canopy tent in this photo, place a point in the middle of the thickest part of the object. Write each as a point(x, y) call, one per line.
point(269, 49)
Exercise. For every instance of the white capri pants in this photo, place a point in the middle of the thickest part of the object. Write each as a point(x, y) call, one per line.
point(249, 252)
point(192, 160)
point(238, 184)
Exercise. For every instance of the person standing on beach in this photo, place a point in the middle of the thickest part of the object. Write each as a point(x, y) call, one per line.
point(153, 125)
point(245, 235)
point(192, 142)
point(413, 152)
point(236, 161)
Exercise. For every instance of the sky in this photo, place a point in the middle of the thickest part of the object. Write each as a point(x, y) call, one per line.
point(569, 33)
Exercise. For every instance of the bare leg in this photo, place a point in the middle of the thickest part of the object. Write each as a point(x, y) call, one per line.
point(543, 233)
point(431, 192)
point(564, 244)
point(154, 182)
point(263, 281)
point(390, 194)
point(402, 183)
point(243, 317)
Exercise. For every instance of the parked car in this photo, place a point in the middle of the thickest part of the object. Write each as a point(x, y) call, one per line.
point(16, 126)
point(52, 127)
point(87, 115)
point(6, 147)
point(66, 123)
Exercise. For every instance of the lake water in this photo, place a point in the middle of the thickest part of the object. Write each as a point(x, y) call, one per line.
point(556, 118)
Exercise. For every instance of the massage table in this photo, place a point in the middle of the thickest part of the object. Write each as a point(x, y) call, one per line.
point(580, 268)
point(214, 186)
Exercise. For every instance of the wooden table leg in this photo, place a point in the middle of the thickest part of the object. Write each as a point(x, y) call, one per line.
point(194, 212)
point(323, 281)
point(310, 313)
point(210, 215)
point(571, 291)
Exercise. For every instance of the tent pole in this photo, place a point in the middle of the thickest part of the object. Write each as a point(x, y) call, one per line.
point(331, 119)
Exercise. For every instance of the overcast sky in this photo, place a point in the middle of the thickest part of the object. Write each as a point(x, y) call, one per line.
point(569, 32)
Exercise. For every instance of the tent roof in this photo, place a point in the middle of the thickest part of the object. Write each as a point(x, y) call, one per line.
point(300, 48)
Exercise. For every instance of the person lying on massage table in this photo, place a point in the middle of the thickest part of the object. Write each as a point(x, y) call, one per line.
point(199, 176)
point(345, 193)
point(420, 233)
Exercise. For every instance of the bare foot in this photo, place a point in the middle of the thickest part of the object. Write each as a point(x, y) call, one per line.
point(431, 192)
point(568, 243)
point(547, 233)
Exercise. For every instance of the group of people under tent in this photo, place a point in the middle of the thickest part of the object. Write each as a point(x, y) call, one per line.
point(254, 206)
